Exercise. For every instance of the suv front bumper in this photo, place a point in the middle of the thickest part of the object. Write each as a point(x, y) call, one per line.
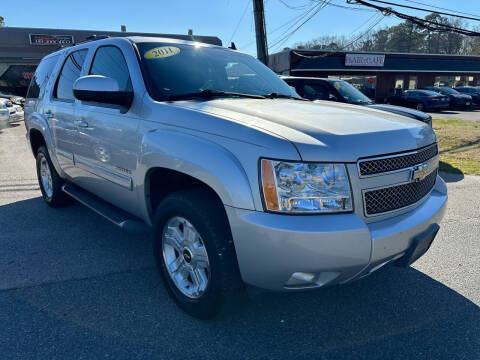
point(288, 252)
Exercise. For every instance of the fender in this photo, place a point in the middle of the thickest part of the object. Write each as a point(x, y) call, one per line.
point(37, 121)
point(200, 158)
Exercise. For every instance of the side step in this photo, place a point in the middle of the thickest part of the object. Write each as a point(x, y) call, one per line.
point(110, 212)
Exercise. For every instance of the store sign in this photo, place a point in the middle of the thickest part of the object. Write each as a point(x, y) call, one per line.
point(364, 60)
point(44, 39)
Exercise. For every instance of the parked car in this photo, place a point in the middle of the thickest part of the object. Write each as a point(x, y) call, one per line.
point(472, 91)
point(17, 100)
point(422, 100)
point(4, 113)
point(218, 157)
point(9, 113)
point(456, 98)
point(341, 91)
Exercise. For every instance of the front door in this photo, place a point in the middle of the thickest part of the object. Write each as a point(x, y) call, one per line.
point(106, 141)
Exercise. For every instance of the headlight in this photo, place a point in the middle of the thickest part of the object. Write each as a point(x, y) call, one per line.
point(294, 187)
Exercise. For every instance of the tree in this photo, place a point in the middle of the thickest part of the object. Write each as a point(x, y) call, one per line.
point(404, 37)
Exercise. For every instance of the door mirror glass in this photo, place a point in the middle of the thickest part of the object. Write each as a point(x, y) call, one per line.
point(101, 89)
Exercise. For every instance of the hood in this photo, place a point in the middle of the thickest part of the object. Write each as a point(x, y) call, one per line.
point(411, 113)
point(324, 131)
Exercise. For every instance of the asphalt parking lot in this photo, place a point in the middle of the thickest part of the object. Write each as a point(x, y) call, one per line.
point(73, 286)
point(473, 114)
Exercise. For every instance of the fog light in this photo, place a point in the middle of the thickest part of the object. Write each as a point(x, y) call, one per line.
point(300, 278)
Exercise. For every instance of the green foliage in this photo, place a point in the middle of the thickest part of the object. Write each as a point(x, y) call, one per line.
point(404, 37)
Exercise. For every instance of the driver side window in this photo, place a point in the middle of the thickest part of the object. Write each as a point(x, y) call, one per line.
point(109, 62)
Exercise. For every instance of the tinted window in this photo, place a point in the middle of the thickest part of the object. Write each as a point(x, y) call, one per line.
point(174, 69)
point(446, 90)
point(428, 93)
point(317, 91)
point(109, 61)
point(70, 72)
point(41, 77)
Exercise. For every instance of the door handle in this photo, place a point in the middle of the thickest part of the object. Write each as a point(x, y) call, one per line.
point(81, 123)
point(48, 114)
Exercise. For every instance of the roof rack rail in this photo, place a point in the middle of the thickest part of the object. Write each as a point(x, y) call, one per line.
point(93, 37)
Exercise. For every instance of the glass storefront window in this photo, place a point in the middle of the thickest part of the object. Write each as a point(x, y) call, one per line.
point(412, 82)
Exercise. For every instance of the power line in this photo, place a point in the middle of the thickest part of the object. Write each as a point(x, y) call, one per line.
point(426, 10)
point(315, 11)
point(441, 8)
point(240, 20)
point(427, 24)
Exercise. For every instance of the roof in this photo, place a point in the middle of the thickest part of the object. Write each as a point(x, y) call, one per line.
point(16, 35)
point(16, 43)
point(308, 62)
point(400, 54)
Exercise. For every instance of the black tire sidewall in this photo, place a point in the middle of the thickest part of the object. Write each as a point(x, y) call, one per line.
point(58, 198)
point(43, 153)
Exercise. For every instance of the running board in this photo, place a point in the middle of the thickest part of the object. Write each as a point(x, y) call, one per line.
point(110, 212)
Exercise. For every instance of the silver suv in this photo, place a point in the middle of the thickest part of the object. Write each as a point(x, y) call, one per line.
point(240, 180)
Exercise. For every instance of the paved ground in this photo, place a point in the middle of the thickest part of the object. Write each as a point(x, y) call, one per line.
point(72, 286)
point(457, 114)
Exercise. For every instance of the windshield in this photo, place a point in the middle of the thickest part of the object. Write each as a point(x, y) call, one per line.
point(176, 69)
point(350, 93)
point(425, 92)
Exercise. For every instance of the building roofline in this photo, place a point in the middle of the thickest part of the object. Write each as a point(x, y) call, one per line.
point(403, 54)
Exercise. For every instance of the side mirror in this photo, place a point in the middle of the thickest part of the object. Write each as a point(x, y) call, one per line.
point(101, 89)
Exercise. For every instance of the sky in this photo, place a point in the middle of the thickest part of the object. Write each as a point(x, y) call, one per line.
point(230, 20)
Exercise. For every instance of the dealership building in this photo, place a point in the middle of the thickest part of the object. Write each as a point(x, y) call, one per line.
point(378, 74)
point(21, 50)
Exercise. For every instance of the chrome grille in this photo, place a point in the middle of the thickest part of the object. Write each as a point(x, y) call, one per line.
point(396, 162)
point(397, 197)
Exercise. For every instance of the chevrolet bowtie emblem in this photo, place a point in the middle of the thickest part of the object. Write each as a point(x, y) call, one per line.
point(419, 172)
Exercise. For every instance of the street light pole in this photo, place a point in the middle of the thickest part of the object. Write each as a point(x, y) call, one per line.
point(261, 34)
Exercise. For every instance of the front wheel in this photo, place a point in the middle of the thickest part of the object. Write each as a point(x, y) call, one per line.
point(420, 107)
point(195, 253)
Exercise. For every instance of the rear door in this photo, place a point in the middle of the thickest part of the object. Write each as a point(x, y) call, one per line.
point(60, 109)
point(107, 140)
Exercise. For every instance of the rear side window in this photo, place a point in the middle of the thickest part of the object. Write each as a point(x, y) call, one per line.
point(109, 62)
point(41, 77)
point(72, 67)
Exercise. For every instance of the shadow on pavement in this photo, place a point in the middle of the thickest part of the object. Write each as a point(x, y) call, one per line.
point(450, 173)
point(126, 312)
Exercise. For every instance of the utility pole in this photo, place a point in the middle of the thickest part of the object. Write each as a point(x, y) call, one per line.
point(261, 34)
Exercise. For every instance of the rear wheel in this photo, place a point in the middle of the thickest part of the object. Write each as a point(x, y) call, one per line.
point(50, 182)
point(195, 253)
point(420, 107)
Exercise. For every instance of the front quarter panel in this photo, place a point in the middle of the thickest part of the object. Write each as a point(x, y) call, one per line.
point(202, 159)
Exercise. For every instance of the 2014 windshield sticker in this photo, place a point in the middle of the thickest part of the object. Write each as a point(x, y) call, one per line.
point(161, 52)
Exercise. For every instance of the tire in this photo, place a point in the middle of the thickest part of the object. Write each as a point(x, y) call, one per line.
point(420, 107)
point(51, 189)
point(224, 290)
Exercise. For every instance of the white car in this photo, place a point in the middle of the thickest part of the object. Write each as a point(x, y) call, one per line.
point(15, 113)
point(4, 113)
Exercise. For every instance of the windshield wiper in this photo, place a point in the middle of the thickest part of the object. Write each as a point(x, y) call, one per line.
point(210, 94)
point(275, 95)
